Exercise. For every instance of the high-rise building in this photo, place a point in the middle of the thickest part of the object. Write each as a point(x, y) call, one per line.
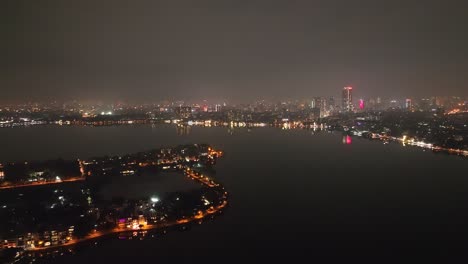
point(330, 105)
point(312, 103)
point(183, 111)
point(331, 102)
point(321, 104)
point(408, 104)
point(425, 104)
point(2, 174)
point(361, 104)
point(323, 107)
point(347, 99)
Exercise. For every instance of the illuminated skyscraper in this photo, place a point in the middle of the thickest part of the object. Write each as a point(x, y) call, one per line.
point(347, 99)
point(361, 104)
point(183, 111)
point(331, 102)
point(408, 104)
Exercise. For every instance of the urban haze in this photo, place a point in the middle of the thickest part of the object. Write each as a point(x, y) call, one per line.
point(233, 131)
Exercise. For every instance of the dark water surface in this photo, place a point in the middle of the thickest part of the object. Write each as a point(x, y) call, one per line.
point(293, 195)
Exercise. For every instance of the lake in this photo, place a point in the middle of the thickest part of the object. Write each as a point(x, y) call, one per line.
point(293, 194)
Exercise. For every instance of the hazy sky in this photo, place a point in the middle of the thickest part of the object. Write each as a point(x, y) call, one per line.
point(235, 50)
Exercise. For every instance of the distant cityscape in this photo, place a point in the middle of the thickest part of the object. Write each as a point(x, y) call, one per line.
point(233, 131)
point(437, 122)
point(312, 109)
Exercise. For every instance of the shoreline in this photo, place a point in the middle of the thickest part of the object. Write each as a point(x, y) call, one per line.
point(421, 145)
point(35, 184)
point(98, 234)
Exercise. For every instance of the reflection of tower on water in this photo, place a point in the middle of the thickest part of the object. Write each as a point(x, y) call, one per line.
point(347, 140)
point(183, 130)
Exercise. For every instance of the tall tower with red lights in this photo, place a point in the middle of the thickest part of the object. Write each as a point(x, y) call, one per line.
point(347, 99)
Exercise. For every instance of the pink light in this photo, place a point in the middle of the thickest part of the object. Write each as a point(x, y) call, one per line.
point(348, 88)
point(361, 104)
point(348, 140)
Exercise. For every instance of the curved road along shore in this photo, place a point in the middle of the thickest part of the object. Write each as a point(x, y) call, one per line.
point(190, 173)
point(73, 179)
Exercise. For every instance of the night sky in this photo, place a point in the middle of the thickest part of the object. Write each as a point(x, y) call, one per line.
point(231, 50)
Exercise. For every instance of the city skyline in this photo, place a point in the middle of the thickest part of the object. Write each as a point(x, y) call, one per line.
point(338, 95)
point(171, 131)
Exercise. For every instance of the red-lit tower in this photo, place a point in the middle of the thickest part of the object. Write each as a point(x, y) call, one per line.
point(347, 99)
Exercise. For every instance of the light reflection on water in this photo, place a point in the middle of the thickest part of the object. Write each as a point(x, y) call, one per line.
point(292, 192)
